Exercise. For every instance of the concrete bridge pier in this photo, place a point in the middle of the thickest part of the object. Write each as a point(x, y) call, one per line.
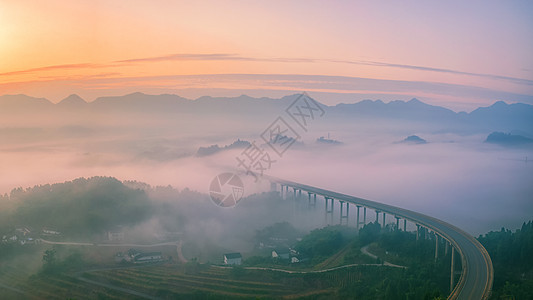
point(286, 192)
point(377, 216)
point(329, 210)
point(436, 246)
point(384, 223)
point(343, 216)
point(397, 222)
point(281, 191)
point(452, 270)
point(294, 204)
point(357, 222)
point(312, 204)
point(364, 216)
point(421, 232)
point(446, 248)
point(273, 187)
point(404, 224)
point(299, 194)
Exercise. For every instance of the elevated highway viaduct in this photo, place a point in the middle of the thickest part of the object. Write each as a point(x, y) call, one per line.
point(476, 274)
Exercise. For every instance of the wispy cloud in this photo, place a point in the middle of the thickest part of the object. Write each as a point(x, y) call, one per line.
point(439, 70)
point(82, 77)
point(214, 56)
point(55, 67)
point(185, 57)
point(236, 57)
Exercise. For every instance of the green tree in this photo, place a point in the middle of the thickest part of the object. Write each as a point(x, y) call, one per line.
point(49, 260)
point(369, 233)
point(325, 241)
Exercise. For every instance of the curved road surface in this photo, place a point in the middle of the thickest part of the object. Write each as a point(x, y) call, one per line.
point(477, 273)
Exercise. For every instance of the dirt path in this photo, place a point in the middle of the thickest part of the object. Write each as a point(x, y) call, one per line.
point(364, 250)
point(312, 271)
point(331, 260)
point(180, 253)
point(110, 245)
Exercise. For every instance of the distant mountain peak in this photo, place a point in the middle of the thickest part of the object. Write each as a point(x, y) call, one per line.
point(396, 101)
point(499, 103)
point(507, 139)
point(73, 100)
point(243, 96)
point(137, 94)
point(24, 102)
point(414, 140)
point(379, 101)
point(238, 144)
point(323, 140)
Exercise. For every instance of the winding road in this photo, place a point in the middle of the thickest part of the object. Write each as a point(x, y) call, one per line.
point(313, 271)
point(364, 250)
point(477, 274)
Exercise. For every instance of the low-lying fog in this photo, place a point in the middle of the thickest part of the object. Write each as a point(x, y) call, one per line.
point(458, 178)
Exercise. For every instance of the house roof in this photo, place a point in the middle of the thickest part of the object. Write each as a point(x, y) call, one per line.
point(233, 255)
point(148, 254)
point(282, 250)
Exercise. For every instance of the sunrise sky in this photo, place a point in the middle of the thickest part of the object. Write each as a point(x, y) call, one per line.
point(460, 54)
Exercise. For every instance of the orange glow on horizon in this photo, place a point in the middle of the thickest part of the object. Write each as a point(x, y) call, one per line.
point(74, 42)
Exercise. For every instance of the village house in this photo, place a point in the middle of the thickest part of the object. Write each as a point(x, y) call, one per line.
point(115, 234)
point(232, 258)
point(148, 257)
point(21, 235)
point(281, 253)
point(49, 231)
point(23, 231)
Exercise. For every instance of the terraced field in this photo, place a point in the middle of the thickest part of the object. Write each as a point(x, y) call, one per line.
point(167, 281)
point(15, 283)
point(22, 278)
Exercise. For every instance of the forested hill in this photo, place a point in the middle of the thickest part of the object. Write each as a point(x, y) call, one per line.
point(80, 207)
point(512, 257)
